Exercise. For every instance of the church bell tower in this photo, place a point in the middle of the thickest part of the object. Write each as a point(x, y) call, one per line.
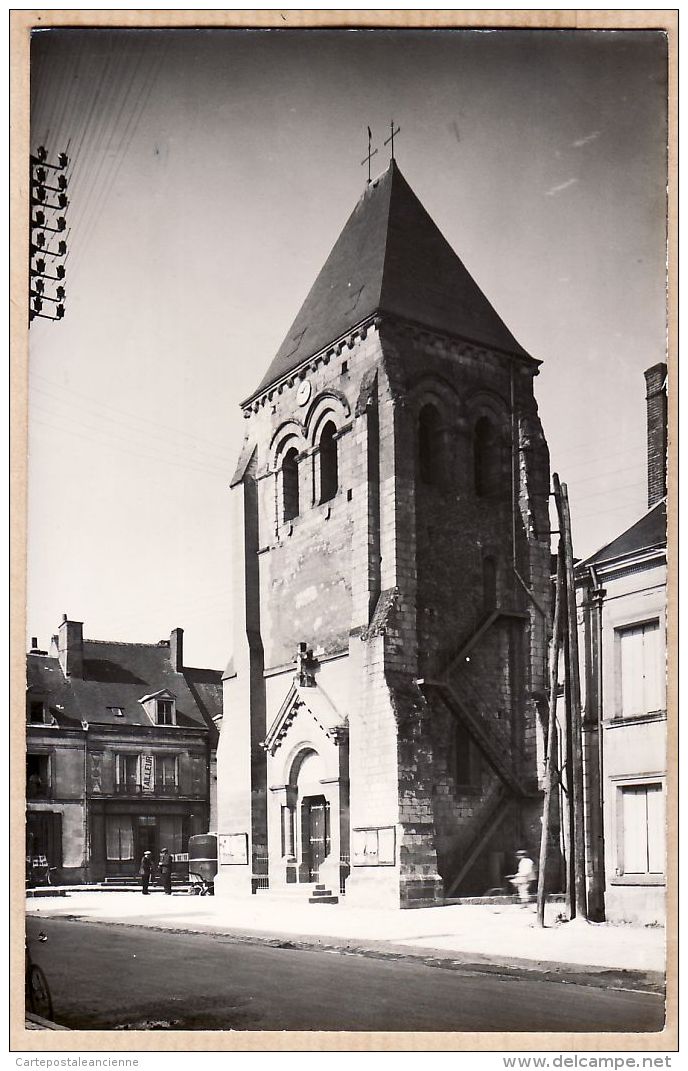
point(383, 728)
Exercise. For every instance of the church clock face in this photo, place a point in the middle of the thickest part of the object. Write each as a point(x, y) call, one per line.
point(303, 393)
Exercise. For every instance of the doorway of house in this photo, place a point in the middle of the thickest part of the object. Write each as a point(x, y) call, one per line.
point(146, 837)
point(316, 834)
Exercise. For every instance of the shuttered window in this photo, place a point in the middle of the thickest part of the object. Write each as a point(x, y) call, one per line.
point(641, 673)
point(642, 834)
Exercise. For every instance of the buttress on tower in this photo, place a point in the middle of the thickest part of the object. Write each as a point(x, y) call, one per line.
point(385, 708)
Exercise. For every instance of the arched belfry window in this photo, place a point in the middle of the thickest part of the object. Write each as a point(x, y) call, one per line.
point(430, 446)
point(485, 457)
point(290, 485)
point(329, 467)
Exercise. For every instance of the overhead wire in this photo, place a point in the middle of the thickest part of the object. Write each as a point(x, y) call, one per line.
point(136, 434)
point(123, 79)
point(145, 421)
point(111, 442)
point(136, 110)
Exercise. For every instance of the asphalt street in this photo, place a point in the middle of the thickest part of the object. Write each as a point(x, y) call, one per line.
point(105, 977)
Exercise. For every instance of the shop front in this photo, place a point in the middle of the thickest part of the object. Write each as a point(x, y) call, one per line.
point(122, 832)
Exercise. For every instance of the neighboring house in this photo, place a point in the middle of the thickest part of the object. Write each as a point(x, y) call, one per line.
point(623, 600)
point(120, 740)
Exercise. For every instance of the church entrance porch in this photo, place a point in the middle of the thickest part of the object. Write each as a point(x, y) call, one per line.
point(307, 807)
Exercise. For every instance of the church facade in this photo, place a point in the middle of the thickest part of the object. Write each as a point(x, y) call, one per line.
point(386, 704)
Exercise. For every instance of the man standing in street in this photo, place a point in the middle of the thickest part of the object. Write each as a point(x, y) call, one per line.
point(165, 868)
point(145, 872)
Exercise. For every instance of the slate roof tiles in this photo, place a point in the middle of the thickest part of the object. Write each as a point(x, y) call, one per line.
point(390, 258)
point(118, 675)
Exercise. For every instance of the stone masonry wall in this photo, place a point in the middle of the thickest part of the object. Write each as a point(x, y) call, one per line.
point(394, 567)
point(450, 530)
point(306, 567)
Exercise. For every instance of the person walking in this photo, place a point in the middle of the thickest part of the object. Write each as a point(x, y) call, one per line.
point(145, 872)
point(165, 868)
point(524, 877)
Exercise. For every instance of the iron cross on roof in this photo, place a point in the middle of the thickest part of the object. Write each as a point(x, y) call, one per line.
point(393, 132)
point(370, 155)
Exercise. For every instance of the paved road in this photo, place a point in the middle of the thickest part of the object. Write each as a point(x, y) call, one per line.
point(118, 976)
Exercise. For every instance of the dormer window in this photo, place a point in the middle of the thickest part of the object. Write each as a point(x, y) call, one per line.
point(160, 707)
point(117, 712)
point(164, 712)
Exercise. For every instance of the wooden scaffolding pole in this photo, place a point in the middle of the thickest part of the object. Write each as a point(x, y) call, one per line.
point(551, 761)
point(573, 691)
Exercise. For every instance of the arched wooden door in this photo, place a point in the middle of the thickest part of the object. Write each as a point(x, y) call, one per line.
point(315, 840)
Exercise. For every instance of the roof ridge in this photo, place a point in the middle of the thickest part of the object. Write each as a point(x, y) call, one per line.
point(393, 169)
point(130, 643)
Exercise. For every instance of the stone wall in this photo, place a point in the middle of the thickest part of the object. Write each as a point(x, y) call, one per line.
point(402, 571)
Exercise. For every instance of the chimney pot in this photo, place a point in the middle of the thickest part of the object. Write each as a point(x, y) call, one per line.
point(177, 649)
point(656, 399)
point(70, 645)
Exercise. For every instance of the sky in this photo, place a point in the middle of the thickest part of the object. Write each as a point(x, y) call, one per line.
point(211, 172)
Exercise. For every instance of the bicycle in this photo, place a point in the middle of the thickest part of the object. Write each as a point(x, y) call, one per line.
point(38, 872)
point(36, 990)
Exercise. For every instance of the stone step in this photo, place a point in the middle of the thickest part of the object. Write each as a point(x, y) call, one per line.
point(129, 880)
point(323, 898)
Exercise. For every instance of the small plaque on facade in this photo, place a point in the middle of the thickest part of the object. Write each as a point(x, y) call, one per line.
point(232, 849)
point(375, 846)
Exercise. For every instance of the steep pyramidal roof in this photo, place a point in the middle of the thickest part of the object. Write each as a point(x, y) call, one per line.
point(390, 257)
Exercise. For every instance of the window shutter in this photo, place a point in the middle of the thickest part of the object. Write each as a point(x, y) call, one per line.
point(634, 831)
point(652, 667)
point(642, 688)
point(655, 830)
point(631, 671)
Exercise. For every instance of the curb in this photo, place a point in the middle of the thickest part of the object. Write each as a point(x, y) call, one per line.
point(470, 962)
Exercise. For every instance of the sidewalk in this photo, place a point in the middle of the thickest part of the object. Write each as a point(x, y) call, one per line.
point(504, 934)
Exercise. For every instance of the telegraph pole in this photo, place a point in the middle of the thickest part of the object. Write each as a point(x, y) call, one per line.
point(552, 735)
point(47, 204)
point(575, 741)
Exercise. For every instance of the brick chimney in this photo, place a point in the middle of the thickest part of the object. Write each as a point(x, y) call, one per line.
point(177, 649)
point(656, 382)
point(70, 647)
